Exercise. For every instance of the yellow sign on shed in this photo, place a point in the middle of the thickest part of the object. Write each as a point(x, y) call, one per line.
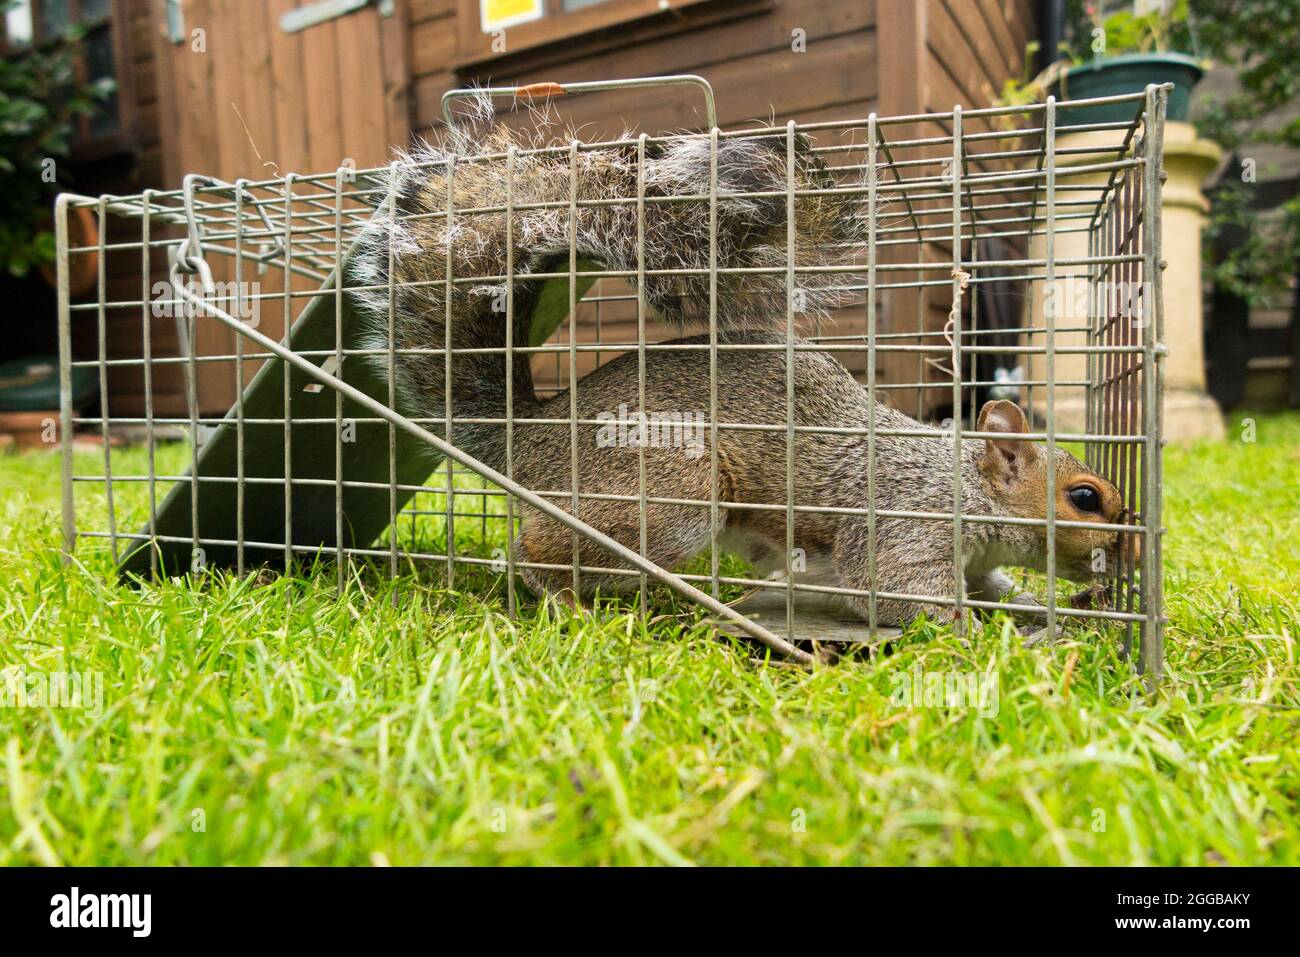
point(499, 14)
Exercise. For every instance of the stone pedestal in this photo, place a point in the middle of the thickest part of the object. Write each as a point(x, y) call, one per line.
point(1189, 412)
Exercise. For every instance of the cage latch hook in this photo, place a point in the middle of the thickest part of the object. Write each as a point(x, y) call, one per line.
point(188, 256)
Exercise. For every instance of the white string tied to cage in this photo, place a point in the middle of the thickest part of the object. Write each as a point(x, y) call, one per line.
point(962, 279)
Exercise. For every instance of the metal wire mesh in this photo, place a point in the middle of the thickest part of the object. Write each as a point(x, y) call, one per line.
point(966, 209)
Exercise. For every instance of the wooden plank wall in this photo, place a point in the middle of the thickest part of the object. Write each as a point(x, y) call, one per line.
point(253, 102)
point(432, 58)
point(744, 49)
point(142, 80)
point(936, 54)
point(899, 57)
point(357, 85)
point(257, 102)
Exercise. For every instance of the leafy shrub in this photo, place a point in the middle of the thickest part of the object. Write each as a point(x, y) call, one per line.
point(40, 100)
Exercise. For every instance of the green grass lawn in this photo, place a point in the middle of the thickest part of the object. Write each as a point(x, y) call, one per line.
point(273, 720)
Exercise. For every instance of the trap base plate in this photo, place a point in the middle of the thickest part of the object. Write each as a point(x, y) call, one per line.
point(817, 617)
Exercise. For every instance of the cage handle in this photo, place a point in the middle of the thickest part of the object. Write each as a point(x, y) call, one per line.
point(546, 90)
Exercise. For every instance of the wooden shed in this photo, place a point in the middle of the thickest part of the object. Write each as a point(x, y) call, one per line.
point(255, 88)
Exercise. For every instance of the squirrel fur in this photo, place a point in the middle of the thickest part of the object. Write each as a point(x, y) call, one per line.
point(419, 240)
point(1000, 477)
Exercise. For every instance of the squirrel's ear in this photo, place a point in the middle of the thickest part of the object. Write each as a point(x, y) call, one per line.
point(1007, 457)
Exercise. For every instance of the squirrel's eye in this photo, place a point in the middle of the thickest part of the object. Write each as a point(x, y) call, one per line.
point(1085, 498)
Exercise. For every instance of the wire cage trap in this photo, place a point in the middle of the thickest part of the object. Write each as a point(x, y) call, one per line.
point(256, 341)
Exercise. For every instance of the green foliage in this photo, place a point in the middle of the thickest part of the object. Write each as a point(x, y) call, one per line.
point(1261, 38)
point(40, 100)
point(1026, 89)
point(1258, 37)
point(1092, 32)
point(1264, 245)
point(283, 720)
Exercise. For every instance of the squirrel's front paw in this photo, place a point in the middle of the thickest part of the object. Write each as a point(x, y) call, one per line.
point(1094, 596)
point(1045, 636)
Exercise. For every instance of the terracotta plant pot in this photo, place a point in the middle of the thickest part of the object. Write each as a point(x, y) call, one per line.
point(83, 268)
point(31, 430)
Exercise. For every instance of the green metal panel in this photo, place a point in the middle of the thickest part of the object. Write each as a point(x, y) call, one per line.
point(365, 459)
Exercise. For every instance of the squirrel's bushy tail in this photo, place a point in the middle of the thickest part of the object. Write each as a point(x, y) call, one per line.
point(416, 241)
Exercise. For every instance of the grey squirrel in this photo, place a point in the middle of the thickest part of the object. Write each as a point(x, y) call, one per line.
point(1001, 477)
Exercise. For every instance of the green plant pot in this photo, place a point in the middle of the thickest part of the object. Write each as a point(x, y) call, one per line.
point(1131, 73)
point(32, 385)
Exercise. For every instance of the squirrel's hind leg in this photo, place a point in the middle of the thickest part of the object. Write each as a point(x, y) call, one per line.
point(898, 571)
